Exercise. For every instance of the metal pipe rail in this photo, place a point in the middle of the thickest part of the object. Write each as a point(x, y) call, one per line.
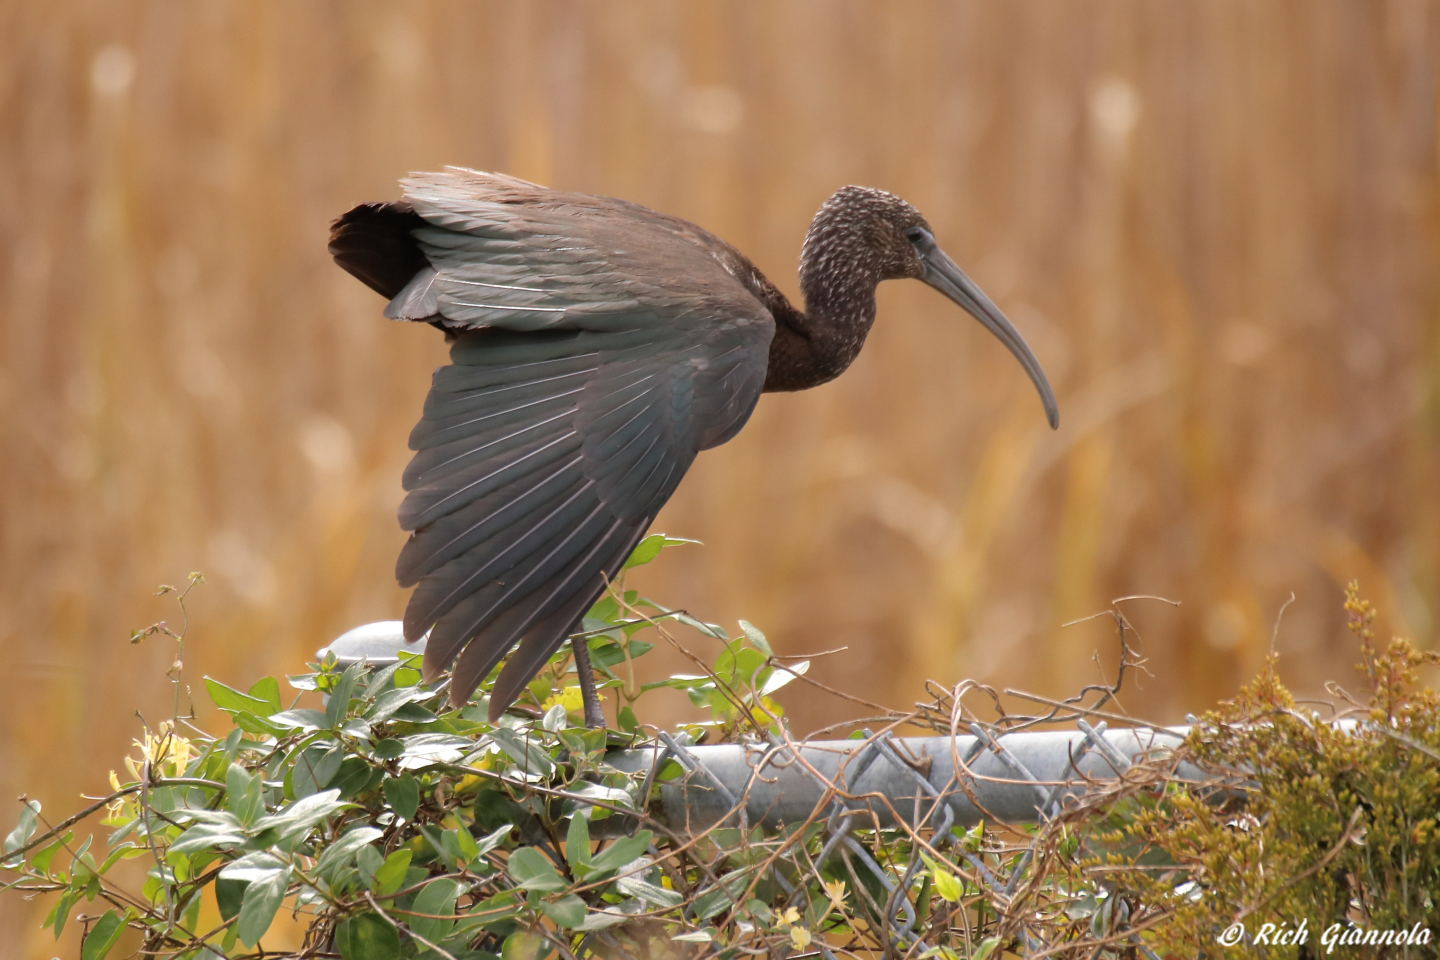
point(1013, 778)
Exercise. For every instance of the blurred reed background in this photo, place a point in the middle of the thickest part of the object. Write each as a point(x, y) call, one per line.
point(1215, 221)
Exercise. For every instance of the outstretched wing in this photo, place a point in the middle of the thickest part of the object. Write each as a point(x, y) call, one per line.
point(599, 349)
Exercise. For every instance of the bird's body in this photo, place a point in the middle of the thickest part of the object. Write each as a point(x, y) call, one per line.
point(598, 346)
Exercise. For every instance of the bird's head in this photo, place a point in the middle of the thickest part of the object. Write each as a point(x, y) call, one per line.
point(892, 241)
point(869, 226)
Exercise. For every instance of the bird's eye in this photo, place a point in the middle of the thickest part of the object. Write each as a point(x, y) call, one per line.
point(915, 234)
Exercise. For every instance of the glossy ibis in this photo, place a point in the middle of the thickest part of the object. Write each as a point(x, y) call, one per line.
point(597, 347)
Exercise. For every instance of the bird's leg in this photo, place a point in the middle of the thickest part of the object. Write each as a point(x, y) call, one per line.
point(594, 718)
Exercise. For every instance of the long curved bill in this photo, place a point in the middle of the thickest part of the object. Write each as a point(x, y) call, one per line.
point(942, 274)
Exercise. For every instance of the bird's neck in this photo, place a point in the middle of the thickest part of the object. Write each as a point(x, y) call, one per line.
point(838, 276)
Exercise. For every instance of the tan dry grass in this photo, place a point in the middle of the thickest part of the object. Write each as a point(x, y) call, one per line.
point(1216, 222)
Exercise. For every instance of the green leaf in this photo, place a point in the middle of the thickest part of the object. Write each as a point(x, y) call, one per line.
point(600, 919)
point(315, 768)
point(577, 846)
point(587, 798)
point(229, 894)
point(649, 548)
point(102, 936)
point(303, 814)
point(605, 611)
point(947, 885)
point(257, 909)
point(529, 757)
point(402, 795)
point(645, 551)
point(649, 892)
point(367, 937)
point(524, 945)
point(354, 776)
point(369, 859)
point(555, 719)
point(628, 723)
point(356, 728)
point(986, 947)
point(339, 702)
point(344, 849)
point(392, 872)
point(756, 638)
point(724, 895)
point(492, 913)
point(25, 829)
point(415, 713)
point(435, 747)
point(605, 652)
point(268, 690)
point(444, 843)
point(530, 870)
point(203, 836)
point(41, 861)
point(300, 718)
point(638, 648)
point(381, 681)
point(783, 675)
point(260, 726)
point(233, 701)
point(302, 681)
point(61, 912)
point(739, 668)
point(567, 912)
point(392, 700)
point(465, 845)
point(244, 794)
point(256, 867)
point(621, 852)
point(492, 840)
point(712, 630)
point(438, 897)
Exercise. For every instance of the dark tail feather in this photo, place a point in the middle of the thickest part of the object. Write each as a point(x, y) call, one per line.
point(373, 243)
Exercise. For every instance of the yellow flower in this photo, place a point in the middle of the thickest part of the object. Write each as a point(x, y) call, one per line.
point(763, 712)
point(835, 890)
point(570, 698)
point(791, 915)
point(800, 937)
point(167, 753)
point(120, 809)
point(168, 756)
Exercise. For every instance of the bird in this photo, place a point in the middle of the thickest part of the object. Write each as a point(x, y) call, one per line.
point(596, 347)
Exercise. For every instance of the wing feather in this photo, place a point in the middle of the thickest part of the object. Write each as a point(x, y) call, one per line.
point(535, 561)
point(450, 596)
point(488, 518)
point(426, 504)
point(567, 597)
point(543, 620)
point(454, 443)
